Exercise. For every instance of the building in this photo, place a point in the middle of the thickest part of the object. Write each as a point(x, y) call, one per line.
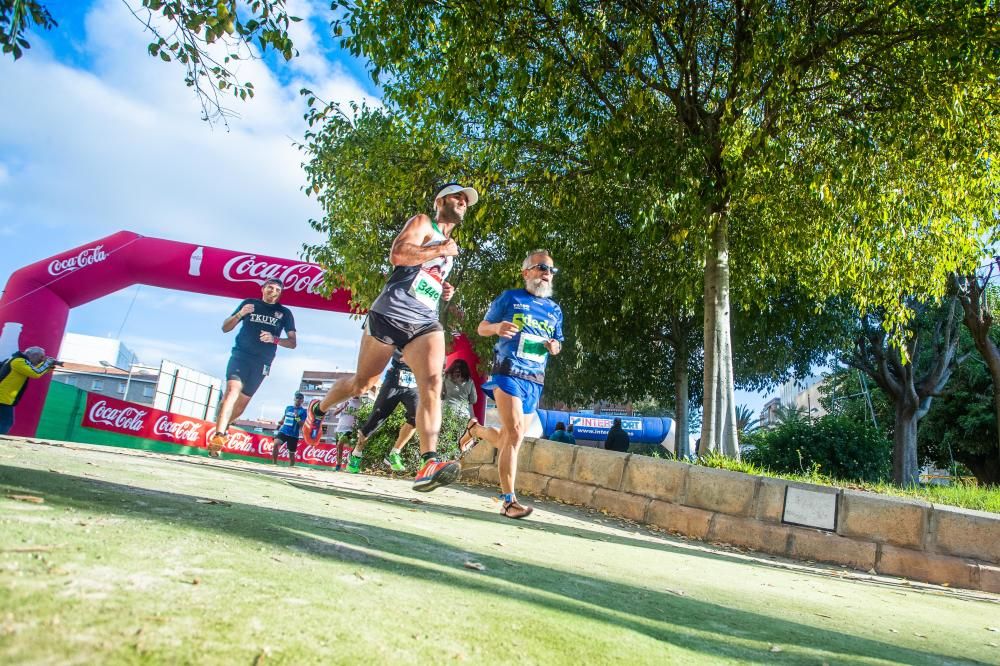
point(138, 386)
point(801, 395)
point(92, 350)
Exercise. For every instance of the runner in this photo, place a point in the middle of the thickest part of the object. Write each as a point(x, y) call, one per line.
point(290, 430)
point(398, 386)
point(405, 317)
point(529, 324)
point(256, 344)
point(345, 428)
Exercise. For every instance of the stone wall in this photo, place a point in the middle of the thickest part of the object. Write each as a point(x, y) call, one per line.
point(888, 535)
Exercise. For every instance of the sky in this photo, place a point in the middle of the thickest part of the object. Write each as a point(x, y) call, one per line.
point(96, 137)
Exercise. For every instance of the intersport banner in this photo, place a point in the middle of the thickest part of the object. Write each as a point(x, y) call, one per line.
point(129, 418)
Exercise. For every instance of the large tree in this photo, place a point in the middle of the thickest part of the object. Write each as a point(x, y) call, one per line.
point(844, 135)
point(910, 375)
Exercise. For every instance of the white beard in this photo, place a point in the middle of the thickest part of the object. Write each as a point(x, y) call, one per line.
point(539, 287)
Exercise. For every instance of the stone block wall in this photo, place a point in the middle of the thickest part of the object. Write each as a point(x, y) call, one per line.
point(893, 536)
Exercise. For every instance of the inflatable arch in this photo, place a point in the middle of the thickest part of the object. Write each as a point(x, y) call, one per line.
point(36, 302)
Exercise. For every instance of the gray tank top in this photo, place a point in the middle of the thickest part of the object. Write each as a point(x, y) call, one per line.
point(413, 292)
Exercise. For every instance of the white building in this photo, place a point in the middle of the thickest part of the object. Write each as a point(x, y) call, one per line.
point(91, 350)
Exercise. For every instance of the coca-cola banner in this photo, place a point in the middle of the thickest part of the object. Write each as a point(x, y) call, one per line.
point(129, 418)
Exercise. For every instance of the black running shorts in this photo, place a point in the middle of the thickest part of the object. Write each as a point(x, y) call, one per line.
point(395, 332)
point(291, 441)
point(385, 403)
point(249, 370)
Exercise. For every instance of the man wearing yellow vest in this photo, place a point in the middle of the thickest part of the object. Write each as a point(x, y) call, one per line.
point(15, 372)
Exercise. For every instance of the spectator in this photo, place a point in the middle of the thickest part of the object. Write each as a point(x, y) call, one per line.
point(617, 438)
point(15, 372)
point(459, 389)
point(560, 434)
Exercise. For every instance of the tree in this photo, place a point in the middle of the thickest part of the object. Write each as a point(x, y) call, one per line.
point(961, 425)
point(846, 137)
point(973, 293)
point(205, 36)
point(911, 375)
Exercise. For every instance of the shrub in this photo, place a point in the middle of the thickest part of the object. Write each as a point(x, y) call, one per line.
point(834, 446)
point(378, 447)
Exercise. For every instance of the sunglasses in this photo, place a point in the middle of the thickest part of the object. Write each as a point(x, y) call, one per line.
point(545, 268)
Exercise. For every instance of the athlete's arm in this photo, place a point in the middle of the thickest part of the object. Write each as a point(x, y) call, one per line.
point(408, 248)
point(230, 322)
point(504, 329)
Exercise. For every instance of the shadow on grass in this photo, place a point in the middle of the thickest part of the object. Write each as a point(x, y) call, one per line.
point(626, 607)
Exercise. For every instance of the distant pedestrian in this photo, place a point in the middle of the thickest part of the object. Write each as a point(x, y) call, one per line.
point(15, 372)
point(617, 439)
point(459, 389)
point(561, 435)
point(290, 430)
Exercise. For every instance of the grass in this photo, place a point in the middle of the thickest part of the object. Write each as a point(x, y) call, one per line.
point(966, 496)
point(121, 557)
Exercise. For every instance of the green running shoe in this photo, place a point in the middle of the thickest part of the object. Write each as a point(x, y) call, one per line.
point(354, 464)
point(395, 462)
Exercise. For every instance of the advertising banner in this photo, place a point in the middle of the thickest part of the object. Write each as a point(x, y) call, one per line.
point(129, 418)
point(597, 427)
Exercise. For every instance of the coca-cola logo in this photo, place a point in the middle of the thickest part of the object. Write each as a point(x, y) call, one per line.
point(126, 418)
point(297, 277)
point(325, 455)
point(88, 257)
point(238, 441)
point(185, 431)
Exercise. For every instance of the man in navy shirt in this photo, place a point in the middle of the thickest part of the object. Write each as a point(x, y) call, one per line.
point(529, 325)
point(263, 321)
point(290, 430)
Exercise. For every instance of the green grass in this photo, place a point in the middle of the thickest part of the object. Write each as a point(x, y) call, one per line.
point(134, 558)
point(966, 496)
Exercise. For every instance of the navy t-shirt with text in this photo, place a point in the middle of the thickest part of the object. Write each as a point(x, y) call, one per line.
point(271, 318)
point(538, 320)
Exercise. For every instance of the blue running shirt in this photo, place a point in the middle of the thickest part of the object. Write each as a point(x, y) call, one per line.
point(292, 421)
point(539, 320)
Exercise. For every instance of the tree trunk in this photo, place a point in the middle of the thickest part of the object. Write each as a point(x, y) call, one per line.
point(905, 471)
point(681, 401)
point(718, 429)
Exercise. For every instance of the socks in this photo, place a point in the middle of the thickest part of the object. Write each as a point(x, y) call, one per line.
point(430, 455)
point(356, 452)
point(508, 498)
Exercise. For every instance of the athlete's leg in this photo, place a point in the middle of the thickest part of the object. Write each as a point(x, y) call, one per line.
point(373, 356)
point(275, 445)
point(242, 400)
point(425, 356)
point(405, 435)
point(234, 388)
point(511, 434)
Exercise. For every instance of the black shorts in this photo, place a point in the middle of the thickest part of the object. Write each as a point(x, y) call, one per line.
point(385, 403)
point(396, 332)
point(291, 441)
point(248, 369)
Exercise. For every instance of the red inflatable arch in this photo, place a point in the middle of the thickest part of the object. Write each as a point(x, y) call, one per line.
point(36, 302)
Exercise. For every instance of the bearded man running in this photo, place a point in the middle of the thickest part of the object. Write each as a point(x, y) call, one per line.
point(405, 317)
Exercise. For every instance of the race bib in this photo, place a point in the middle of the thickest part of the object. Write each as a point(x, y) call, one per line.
point(426, 288)
point(532, 347)
point(407, 380)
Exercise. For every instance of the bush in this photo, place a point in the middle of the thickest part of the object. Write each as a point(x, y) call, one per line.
point(834, 446)
point(378, 447)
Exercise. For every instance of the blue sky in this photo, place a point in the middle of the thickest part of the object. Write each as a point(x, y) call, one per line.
point(96, 136)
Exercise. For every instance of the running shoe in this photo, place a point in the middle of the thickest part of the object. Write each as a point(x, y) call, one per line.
point(466, 441)
point(216, 443)
point(436, 473)
point(515, 510)
point(354, 464)
point(313, 423)
point(395, 461)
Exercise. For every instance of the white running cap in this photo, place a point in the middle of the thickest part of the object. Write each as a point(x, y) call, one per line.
point(454, 188)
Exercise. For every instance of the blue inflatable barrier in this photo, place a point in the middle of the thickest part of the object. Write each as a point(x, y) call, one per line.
point(640, 429)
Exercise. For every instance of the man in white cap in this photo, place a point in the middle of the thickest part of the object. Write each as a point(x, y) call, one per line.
point(15, 372)
point(405, 317)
